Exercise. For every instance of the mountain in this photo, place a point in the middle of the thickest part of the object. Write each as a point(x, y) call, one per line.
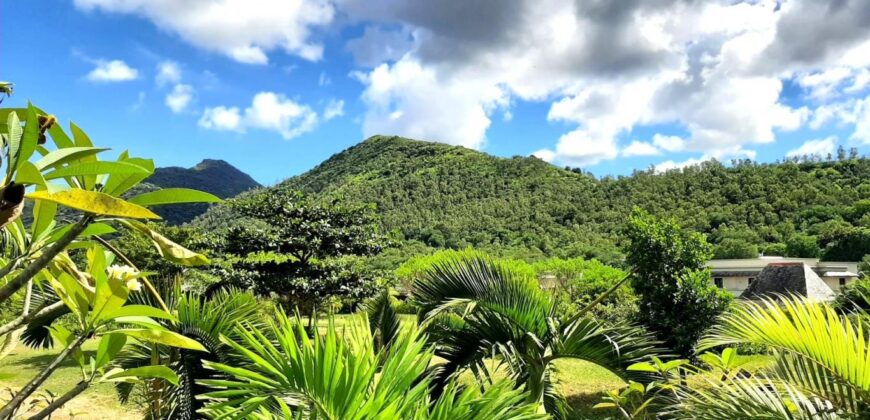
point(450, 196)
point(214, 176)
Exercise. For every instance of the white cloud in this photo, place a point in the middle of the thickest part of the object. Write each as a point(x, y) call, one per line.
point(221, 118)
point(408, 100)
point(323, 80)
point(818, 147)
point(545, 155)
point(638, 148)
point(334, 109)
point(862, 121)
point(669, 143)
point(715, 69)
point(670, 164)
point(179, 98)
point(168, 72)
point(112, 71)
point(268, 111)
point(244, 30)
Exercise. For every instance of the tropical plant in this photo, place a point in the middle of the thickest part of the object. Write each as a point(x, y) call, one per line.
point(822, 368)
point(339, 375)
point(204, 320)
point(36, 257)
point(101, 311)
point(475, 309)
point(641, 402)
point(676, 299)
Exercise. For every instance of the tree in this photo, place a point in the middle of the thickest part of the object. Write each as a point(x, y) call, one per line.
point(300, 250)
point(734, 248)
point(475, 309)
point(848, 246)
point(676, 299)
point(338, 375)
point(802, 246)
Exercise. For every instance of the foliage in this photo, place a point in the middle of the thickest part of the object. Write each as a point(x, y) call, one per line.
point(676, 299)
point(441, 196)
point(275, 241)
point(734, 249)
point(854, 297)
point(580, 281)
point(40, 257)
point(475, 309)
point(822, 368)
point(851, 245)
point(199, 319)
point(802, 246)
point(340, 376)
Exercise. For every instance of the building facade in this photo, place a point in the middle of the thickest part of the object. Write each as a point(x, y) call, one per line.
point(736, 275)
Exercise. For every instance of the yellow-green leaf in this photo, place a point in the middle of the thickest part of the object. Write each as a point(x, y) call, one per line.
point(96, 168)
point(166, 337)
point(169, 249)
point(174, 196)
point(95, 203)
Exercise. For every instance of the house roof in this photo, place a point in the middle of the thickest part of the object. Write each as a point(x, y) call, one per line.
point(788, 278)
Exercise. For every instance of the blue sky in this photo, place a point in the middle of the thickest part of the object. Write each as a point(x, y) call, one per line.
point(276, 86)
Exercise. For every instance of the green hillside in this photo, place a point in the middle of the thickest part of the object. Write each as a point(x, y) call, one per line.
point(214, 176)
point(449, 196)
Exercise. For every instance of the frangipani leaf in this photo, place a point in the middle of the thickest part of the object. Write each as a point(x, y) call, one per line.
point(166, 337)
point(95, 203)
point(174, 196)
point(61, 156)
point(96, 168)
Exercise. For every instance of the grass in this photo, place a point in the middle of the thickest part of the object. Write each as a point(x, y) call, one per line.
point(97, 402)
point(582, 382)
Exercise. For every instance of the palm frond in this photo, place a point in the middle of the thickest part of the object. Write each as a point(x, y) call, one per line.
point(828, 354)
point(383, 319)
point(750, 398)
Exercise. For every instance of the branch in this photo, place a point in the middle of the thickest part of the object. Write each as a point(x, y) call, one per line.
point(24, 319)
point(44, 259)
point(30, 388)
point(45, 412)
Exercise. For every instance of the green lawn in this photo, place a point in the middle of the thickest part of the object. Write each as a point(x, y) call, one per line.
point(582, 382)
point(98, 402)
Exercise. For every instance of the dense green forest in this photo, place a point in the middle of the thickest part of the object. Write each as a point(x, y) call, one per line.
point(440, 196)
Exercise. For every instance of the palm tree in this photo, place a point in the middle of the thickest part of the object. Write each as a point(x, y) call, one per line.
point(822, 367)
point(200, 319)
point(339, 375)
point(475, 309)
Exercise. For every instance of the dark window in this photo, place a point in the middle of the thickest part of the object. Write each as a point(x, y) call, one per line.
point(842, 281)
point(718, 282)
point(751, 279)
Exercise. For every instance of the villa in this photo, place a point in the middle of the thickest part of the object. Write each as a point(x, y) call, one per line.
point(735, 276)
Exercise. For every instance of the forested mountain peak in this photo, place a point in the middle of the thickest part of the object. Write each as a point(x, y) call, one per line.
point(451, 196)
point(211, 175)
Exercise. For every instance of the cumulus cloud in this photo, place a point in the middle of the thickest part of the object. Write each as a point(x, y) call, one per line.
point(818, 147)
point(108, 71)
point(717, 70)
point(268, 111)
point(244, 30)
point(639, 148)
point(168, 72)
point(179, 98)
point(409, 100)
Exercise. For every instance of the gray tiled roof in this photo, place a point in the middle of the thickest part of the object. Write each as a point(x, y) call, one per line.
point(788, 278)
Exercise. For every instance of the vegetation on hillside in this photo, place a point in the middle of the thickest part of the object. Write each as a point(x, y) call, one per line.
point(448, 196)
